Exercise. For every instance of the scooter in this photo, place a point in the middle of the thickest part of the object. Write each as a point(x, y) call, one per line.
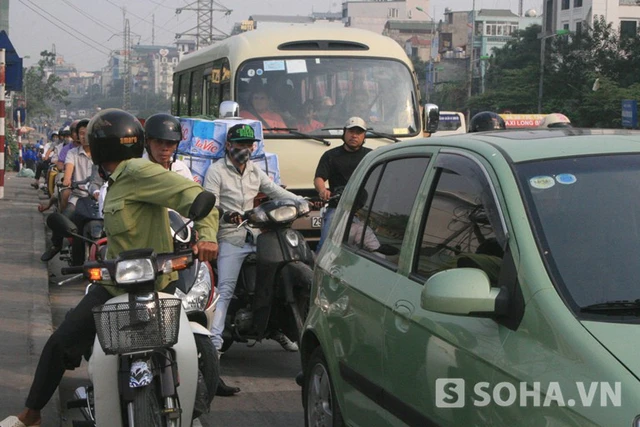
point(273, 289)
point(144, 365)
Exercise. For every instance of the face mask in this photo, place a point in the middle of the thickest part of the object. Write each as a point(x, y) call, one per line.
point(240, 155)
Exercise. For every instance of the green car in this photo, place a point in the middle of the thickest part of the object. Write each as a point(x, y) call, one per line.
point(481, 279)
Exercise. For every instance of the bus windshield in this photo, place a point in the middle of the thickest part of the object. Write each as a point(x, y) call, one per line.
point(316, 95)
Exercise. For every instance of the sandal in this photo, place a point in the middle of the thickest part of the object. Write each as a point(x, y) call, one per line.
point(13, 421)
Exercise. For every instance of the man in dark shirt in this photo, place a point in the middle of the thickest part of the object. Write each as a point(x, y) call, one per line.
point(337, 165)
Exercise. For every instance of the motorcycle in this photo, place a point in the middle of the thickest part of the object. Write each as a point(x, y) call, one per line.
point(273, 289)
point(144, 364)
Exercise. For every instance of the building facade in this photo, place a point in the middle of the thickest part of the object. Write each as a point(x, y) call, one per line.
point(373, 15)
point(574, 14)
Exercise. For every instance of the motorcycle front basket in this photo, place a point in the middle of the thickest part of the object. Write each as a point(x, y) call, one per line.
point(133, 326)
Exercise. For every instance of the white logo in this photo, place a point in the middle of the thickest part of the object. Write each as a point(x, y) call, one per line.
point(449, 393)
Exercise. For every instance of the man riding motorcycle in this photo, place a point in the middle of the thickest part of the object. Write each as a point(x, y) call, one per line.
point(135, 217)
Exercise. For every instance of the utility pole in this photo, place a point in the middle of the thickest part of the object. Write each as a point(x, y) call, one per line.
point(473, 30)
point(153, 29)
point(204, 29)
point(126, 74)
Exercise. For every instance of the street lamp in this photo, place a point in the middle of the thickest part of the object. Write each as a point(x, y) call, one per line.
point(542, 38)
point(430, 67)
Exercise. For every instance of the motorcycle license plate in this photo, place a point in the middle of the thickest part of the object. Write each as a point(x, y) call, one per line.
point(316, 222)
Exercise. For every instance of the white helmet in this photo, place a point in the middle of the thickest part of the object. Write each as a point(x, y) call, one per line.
point(555, 120)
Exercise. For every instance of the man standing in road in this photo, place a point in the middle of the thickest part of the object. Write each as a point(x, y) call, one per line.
point(337, 166)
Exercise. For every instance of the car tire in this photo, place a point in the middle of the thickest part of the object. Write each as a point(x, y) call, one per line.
point(321, 406)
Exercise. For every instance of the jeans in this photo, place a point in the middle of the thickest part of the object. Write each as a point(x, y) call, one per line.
point(230, 259)
point(326, 223)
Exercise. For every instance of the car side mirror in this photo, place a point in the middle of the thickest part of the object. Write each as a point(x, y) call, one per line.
point(464, 291)
point(431, 118)
point(202, 205)
point(229, 109)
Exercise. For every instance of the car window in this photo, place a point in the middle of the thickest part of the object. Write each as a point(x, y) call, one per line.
point(461, 227)
point(381, 210)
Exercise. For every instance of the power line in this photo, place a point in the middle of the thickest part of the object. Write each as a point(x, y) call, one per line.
point(91, 18)
point(61, 26)
point(132, 14)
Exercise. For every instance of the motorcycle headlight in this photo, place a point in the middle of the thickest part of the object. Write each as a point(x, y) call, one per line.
point(134, 271)
point(284, 213)
point(198, 296)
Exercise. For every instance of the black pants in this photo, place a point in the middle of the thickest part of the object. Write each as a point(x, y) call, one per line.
point(69, 212)
point(65, 348)
point(42, 166)
point(67, 344)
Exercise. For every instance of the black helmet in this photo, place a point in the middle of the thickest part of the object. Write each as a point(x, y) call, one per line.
point(163, 126)
point(115, 135)
point(486, 120)
point(82, 123)
point(65, 131)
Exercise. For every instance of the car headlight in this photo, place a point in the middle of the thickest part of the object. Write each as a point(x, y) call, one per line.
point(284, 213)
point(134, 271)
point(198, 296)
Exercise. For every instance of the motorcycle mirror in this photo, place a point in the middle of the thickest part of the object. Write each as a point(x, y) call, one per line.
point(202, 205)
point(61, 224)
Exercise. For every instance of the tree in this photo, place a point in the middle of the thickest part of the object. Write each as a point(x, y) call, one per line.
point(41, 86)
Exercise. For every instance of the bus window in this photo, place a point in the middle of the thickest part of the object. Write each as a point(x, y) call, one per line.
point(196, 92)
point(185, 86)
point(379, 91)
point(214, 89)
point(175, 95)
point(225, 80)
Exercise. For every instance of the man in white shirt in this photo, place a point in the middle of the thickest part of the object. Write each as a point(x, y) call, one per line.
point(236, 181)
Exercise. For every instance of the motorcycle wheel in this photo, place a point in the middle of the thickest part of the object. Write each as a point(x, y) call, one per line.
point(146, 409)
point(226, 345)
point(209, 366)
point(301, 293)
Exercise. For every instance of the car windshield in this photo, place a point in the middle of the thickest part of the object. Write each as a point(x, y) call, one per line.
point(586, 216)
point(316, 95)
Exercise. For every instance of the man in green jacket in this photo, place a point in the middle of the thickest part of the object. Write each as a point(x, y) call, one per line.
point(135, 216)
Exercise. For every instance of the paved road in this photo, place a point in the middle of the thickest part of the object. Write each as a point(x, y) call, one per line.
point(32, 305)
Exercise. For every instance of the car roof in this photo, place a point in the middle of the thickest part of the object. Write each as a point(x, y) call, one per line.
point(534, 144)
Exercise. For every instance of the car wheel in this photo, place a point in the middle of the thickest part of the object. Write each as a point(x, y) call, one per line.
point(321, 407)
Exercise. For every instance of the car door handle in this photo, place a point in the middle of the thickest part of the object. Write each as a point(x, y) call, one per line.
point(403, 311)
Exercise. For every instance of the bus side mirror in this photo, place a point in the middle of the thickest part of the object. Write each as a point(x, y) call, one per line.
point(431, 117)
point(229, 109)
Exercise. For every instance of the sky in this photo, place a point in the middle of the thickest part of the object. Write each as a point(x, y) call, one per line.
point(84, 31)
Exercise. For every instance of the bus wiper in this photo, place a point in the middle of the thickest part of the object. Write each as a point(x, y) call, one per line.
point(373, 132)
point(304, 135)
point(613, 307)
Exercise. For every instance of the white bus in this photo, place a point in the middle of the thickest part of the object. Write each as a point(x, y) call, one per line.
point(340, 72)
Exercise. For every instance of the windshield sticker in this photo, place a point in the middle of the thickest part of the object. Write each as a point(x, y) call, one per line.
point(400, 131)
point(259, 71)
point(296, 66)
point(337, 132)
point(274, 65)
point(542, 182)
point(251, 72)
point(566, 178)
